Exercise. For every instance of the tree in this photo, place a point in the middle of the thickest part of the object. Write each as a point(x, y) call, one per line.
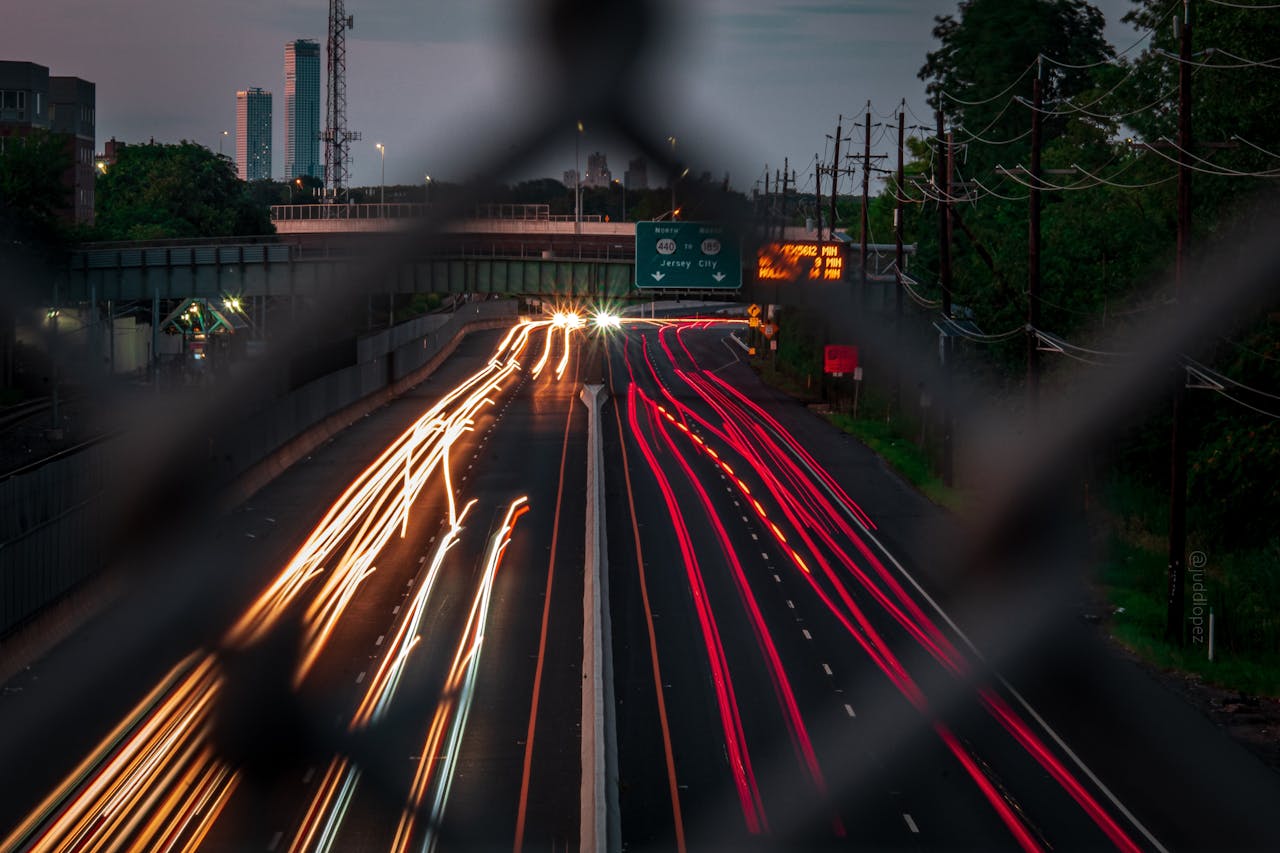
point(185, 190)
point(1234, 94)
point(981, 78)
point(31, 171)
point(985, 60)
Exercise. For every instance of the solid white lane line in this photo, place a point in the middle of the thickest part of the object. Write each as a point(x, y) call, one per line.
point(1004, 682)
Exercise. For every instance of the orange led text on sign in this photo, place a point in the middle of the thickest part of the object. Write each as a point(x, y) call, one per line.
point(798, 260)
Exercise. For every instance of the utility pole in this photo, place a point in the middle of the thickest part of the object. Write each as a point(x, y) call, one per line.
point(866, 190)
point(835, 173)
point(898, 260)
point(817, 213)
point(782, 227)
point(1177, 430)
point(1033, 254)
point(835, 183)
point(944, 280)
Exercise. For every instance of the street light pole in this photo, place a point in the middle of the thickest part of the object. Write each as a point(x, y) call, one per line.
point(426, 191)
point(224, 135)
point(577, 184)
point(382, 186)
point(672, 140)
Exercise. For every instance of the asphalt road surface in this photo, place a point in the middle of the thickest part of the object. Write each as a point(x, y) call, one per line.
point(355, 661)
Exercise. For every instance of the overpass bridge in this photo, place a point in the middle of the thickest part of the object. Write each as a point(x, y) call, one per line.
point(322, 249)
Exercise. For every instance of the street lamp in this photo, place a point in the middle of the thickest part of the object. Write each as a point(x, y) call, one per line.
point(577, 184)
point(672, 140)
point(382, 187)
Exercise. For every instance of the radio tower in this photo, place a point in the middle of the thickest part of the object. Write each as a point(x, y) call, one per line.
point(335, 134)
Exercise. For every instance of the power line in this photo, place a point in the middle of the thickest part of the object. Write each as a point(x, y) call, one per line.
point(992, 192)
point(1112, 183)
point(1241, 62)
point(1221, 171)
point(994, 97)
point(1243, 5)
point(1257, 147)
point(1146, 35)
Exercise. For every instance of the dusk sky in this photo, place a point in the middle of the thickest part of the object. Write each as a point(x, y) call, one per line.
point(748, 82)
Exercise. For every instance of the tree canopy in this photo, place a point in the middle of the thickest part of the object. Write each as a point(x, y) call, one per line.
point(31, 170)
point(156, 191)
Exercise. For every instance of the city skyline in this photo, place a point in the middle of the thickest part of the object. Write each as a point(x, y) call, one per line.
point(743, 84)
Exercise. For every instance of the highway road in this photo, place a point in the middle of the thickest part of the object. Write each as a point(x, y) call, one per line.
point(393, 653)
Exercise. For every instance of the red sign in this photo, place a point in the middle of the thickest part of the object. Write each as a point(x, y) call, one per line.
point(839, 358)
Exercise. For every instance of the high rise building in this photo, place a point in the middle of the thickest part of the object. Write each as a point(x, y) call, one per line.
point(32, 100)
point(253, 134)
point(637, 175)
point(302, 109)
point(598, 174)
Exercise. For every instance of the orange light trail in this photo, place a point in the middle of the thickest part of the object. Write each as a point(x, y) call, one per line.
point(154, 781)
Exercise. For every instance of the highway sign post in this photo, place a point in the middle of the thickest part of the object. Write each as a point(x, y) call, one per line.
point(687, 256)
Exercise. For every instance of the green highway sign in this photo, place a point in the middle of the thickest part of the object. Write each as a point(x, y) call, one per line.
point(687, 256)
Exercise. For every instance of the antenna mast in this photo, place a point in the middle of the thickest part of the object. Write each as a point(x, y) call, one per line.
point(335, 134)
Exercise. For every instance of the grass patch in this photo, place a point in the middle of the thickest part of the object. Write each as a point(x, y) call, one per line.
point(902, 454)
point(885, 438)
point(1133, 578)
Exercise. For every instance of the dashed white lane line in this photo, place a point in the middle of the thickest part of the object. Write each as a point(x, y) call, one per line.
point(755, 537)
point(826, 668)
point(275, 840)
point(306, 777)
point(791, 604)
point(848, 709)
point(763, 554)
point(777, 579)
point(378, 641)
point(409, 582)
point(744, 518)
point(911, 824)
point(395, 610)
point(806, 633)
point(360, 677)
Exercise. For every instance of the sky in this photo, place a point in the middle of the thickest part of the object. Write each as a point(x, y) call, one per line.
point(739, 83)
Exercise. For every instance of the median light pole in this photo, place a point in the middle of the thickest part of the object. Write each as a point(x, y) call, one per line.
point(382, 186)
